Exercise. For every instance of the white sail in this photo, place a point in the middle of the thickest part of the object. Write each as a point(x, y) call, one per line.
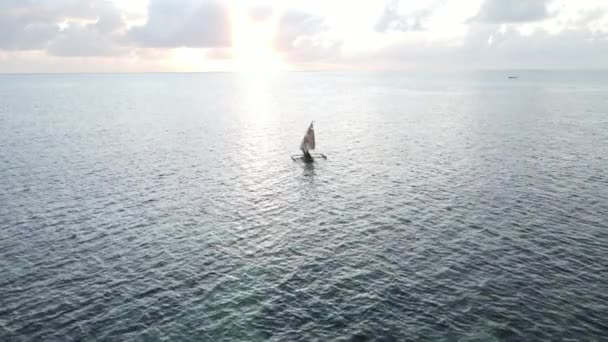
point(308, 142)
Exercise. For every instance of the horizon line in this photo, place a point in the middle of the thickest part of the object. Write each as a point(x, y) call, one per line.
point(17, 73)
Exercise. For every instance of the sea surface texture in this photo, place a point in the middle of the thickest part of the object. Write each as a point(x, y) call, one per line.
point(165, 207)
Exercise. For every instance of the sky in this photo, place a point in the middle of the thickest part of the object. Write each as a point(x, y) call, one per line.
point(262, 35)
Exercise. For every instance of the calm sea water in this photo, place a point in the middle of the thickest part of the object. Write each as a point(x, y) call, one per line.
point(166, 207)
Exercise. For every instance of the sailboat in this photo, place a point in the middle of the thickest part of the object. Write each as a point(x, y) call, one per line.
point(308, 143)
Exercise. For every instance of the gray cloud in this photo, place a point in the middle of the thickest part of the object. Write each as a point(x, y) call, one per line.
point(508, 49)
point(391, 20)
point(567, 49)
point(53, 10)
point(184, 23)
point(25, 33)
point(102, 38)
point(512, 11)
point(80, 41)
point(588, 16)
point(294, 24)
point(29, 25)
point(301, 36)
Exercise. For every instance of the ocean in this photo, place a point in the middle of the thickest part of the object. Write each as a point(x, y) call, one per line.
point(460, 206)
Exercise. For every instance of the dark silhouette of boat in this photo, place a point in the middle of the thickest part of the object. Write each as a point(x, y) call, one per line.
point(308, 143)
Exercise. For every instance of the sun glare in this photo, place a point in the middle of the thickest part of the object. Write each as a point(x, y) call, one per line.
point(253, 43)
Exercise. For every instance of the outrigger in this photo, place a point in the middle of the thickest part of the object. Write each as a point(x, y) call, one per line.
point(307, 144)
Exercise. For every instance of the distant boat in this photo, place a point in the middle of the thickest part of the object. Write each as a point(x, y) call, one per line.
point(308, 143)
point(513, 77)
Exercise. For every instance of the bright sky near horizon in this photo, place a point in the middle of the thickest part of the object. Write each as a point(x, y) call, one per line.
point(265, 35)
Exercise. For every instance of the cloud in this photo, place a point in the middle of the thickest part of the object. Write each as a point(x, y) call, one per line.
point(25, 33)
point(512, 11)
point(33, 25)
point(53, 10)
point(184, 23)
point(391, 20)
point(587, 17)
point(304, 37)
point(490, 46)
point(500, 34)
point(261, 13)
point(99, 39)
point(567, 49)
point(296, 23)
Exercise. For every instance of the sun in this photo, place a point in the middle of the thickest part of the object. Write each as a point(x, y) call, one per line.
point(253, 43)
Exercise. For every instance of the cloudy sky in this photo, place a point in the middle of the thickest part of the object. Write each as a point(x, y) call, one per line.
point(246, 35)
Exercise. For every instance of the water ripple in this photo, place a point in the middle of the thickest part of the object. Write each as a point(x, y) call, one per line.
point(446, 210)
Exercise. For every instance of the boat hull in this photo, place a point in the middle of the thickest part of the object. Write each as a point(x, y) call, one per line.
point(303, 158)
